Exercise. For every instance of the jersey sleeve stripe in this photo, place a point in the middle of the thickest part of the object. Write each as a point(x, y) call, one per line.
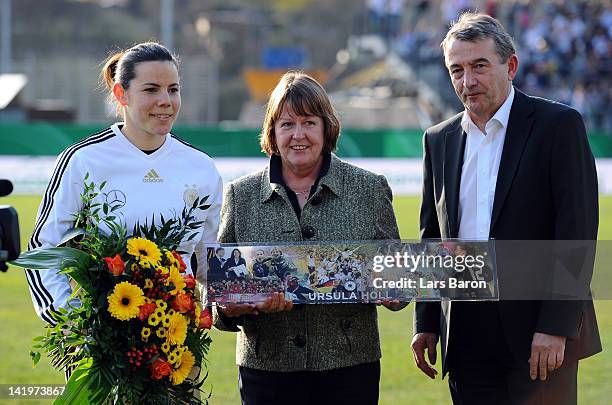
point(30, 275)
point(42, 296)
point(57, 175)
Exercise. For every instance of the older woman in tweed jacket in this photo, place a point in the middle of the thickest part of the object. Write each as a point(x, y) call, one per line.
point(305, 354)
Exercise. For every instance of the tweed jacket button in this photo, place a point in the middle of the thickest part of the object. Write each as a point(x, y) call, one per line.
point(299, 341)
point(308, 232)
point(346, 324)
point(316, 201)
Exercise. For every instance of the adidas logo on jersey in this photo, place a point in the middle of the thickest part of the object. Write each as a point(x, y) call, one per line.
point(152, 177)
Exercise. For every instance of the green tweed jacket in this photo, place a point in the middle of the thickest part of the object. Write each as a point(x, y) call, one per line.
point(349, 203)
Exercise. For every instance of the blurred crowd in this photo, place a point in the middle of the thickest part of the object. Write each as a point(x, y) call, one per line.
point(564, 47)
point(566, 56)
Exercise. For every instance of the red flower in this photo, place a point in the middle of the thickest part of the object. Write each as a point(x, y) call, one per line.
point(159, 369)
point(189, 281)
point(205, 319)
point(182, 303)
point(182, 265)
point(115, 265)
point(146, 310)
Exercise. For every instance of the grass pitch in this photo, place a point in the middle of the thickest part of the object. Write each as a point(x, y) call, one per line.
point(401, 381)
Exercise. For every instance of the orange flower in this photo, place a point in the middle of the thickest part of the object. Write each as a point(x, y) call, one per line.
point(182, 303)
point(205, 319)
point(115, 265)
point(189, 281)
point(146, 310)
point(182, 265)
point(160, 368)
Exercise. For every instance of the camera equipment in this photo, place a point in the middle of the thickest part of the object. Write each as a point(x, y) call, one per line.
point(9, 228)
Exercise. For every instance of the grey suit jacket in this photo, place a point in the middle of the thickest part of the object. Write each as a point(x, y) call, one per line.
point(350, 203)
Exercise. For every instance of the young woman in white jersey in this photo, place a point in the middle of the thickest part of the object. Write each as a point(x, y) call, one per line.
point(148, 170)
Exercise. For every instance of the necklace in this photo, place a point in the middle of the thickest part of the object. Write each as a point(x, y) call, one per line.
point(301, 192)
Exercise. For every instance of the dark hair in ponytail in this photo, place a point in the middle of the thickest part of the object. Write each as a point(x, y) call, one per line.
point(120, 67)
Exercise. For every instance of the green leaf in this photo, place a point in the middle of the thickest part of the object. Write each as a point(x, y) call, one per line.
point(50, 258)
point(71, 234)
point(79, 388)
point(35, 357)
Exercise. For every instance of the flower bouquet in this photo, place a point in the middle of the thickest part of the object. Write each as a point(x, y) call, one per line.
point(134, 331)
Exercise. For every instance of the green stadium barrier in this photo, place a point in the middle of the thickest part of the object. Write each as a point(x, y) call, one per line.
point(49, 139)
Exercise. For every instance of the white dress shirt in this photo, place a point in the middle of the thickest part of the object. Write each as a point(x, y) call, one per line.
point(480, 168)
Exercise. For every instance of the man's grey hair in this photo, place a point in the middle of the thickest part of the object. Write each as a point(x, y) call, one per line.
point(474, 27)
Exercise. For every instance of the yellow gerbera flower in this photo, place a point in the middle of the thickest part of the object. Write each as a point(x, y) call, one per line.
point(148, 283)
point(177, 279)
point(161, 304)
point(177, 330)
point(165, 347)
point(185, 364)
point(125, 301)
point(144, 250)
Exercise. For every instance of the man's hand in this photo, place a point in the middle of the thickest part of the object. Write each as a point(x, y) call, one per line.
point(547, 353)
point(393, 305)
point(420, 342)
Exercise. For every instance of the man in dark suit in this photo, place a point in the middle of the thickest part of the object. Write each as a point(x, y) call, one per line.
point(215, 265)
point(510, 167)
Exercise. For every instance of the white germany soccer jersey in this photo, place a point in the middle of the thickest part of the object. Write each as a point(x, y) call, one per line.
point(147, 185)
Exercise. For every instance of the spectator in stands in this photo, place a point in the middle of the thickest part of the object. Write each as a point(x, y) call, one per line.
point(563, 44)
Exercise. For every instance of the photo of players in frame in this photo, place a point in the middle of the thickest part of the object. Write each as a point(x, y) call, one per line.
point(348, 272)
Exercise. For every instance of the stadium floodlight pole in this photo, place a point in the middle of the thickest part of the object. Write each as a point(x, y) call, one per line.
point(5, 36)
point(167, 23)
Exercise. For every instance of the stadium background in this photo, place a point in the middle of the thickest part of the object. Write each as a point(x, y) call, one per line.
point(380, 61)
